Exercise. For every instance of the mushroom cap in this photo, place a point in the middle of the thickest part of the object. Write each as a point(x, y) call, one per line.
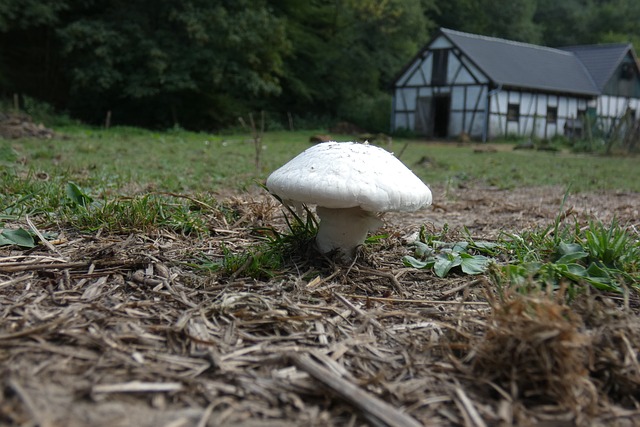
point(339, 175)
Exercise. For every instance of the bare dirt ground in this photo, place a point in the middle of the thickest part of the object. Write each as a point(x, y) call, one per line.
point(111, 330)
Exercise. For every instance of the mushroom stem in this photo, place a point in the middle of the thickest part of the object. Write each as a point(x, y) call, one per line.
point(344, 229)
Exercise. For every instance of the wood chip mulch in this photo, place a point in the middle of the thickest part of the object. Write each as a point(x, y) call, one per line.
point(113, 330)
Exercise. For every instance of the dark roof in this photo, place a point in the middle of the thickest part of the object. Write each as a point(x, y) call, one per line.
point(516, 64)
point(600, 60)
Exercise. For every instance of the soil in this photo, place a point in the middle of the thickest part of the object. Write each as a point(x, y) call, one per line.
point(121, 330)
point(20, 125)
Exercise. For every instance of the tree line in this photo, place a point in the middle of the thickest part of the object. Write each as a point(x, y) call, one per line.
point(201, 64)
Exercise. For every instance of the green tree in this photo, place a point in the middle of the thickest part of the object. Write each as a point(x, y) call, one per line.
point(23, 14)
point(615, 21)
point(509, 19)
point(192, 62)
point(346, 53)
point(28, 46)
point(564, 23)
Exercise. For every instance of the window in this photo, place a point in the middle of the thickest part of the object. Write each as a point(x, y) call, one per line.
point(627, 71)
point(513, 112)
point(439, 67)
point(582, 113)
point(552, 115)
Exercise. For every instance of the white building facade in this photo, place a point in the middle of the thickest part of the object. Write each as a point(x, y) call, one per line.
point(491, 88)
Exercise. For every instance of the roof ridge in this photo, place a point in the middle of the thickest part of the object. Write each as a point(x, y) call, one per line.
point(506, 41)
point(596, 46)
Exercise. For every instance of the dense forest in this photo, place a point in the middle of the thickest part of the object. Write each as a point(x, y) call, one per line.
point(201, 64)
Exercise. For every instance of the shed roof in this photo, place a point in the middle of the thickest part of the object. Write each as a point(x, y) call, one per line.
point(600, 60)
point(516, 64)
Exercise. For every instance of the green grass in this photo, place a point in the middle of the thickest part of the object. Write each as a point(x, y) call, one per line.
point(509, 168)
point(128, 161)
point(273, 252)
point(602, 256)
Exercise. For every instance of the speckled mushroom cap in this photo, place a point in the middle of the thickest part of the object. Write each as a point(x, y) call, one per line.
point(347, 174)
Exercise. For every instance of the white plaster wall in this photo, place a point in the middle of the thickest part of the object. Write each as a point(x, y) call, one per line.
point(455, 123)
point(441, 43)
point(564, 107)
point(473, 92)
point(410, 71)
point(610, 108)
point(541, 103)
point(423, 92)
point(499, 102)
point(477, 127)
point(464, 77)
point(527, 108)
point(406, 98)
point(512, 128)
point(496, 126)
point(401, 121)
point(621, 106)
point(457, 98)
point(417, 78)
point(452, 67)
point(513, 97)
point(552, 130)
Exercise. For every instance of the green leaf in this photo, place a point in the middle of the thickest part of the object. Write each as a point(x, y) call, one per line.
point(460, 247)
point(445, 262)
point(595, 271)
point(570, 252)
point(474, 264)
point(78, 196)
point(569, 258)
point(485, 247)
point(19, 237)
point(519, 273)
point(577, 270)
point(410, 261)
point(422, 249)
point(568, 248)
point(376, 238)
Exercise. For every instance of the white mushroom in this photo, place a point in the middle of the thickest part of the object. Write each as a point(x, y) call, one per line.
point(349, 183)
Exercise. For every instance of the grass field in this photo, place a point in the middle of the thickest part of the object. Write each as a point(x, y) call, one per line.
point(127, 161)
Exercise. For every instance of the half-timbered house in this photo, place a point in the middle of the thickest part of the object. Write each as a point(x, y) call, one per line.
point(487, 87)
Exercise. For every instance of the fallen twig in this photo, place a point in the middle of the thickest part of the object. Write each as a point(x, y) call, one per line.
point(417, 301)
point(136, 387)
point(20, 266)
point(359, 398)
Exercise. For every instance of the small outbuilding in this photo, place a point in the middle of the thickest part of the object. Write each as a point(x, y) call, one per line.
point(487, 87)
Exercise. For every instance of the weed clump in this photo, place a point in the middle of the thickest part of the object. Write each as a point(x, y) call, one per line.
point(535, 350)
point(615, 342)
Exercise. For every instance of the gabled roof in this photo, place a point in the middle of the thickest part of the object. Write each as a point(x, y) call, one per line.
point(523, 65)
point(600, 60)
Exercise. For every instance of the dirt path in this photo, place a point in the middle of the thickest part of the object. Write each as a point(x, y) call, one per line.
point(488, 211)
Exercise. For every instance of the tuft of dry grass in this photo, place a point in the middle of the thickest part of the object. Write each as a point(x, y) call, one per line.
point(614, 361)
point(535, 348)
